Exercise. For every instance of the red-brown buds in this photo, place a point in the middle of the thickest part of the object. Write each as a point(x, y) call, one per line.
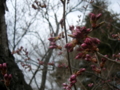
point(94, 60)
point(71, 45)
point(71, 28)
point(52, 39)
point(92, 17)
point(90, 84)
point(98, 16)
point(96, 69)
point(80, 55)
point(84, 45)
point(7, 78)
point(82, 69)
point(93, 20)
point(103, 60)
point(73, 79)
point(3, 68)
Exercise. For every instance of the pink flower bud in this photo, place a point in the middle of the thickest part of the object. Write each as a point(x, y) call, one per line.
point(69, 47)
point(88, 30)
point(93, 66)
point(4, 65)
point(90, 84)
point(73, 76)
point(64, 84)
point(114, 35)
point(74, 81)
point(51, 39)
point(98, 16)
point(52, 47)
point(88, 41)
point(96, 40)
point(80, 55)
point(68, 88)
point(82, 69)
point(6, 76)
point(71, 28)
point(75, 34)
point(84, 45)
point(9, 77)
point(78, 27)
point(52, 43)
point(92, 16)
point(88, 56)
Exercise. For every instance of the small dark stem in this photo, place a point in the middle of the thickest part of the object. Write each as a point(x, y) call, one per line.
point(68, 55)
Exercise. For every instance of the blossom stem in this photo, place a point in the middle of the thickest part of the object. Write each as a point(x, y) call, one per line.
point(68, 55)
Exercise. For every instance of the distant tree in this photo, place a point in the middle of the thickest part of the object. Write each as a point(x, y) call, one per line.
point(110, 26)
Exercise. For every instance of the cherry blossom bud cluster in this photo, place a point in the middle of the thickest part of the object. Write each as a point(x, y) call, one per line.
point(3, 68)
point(96, 69)
point(26, 66)
point(93, 20)
point(87, 48)
point(20, 51)
point(53, 45)
point(90, 43)
point(116, 56)
point(80, 55)
point(116, 36)
point(90, 84)
point(87, 57)
point(79, 33)
point(73, 79)
point(17, 51)
point(7, 77)
point(42, 62)
point(94, 17)
point(70, 46)
point(71, 28)
point(103, 60)
point(53, 40)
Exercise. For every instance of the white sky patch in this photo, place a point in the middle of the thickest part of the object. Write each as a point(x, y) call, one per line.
point(115, 6)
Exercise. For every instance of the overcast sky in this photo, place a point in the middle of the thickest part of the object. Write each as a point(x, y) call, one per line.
point(115, 5)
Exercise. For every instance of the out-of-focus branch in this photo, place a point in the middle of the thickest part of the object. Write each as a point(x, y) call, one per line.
point(38, 67)
point(66, 38)
point(99, 54)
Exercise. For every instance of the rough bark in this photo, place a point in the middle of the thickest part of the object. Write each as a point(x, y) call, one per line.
point(17, 82)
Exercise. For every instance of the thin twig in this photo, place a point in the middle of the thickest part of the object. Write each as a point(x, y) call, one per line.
point(107, 58)
point(68, 56)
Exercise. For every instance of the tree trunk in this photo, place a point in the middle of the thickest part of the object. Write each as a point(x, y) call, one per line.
point(17, 82)
point(45, 69)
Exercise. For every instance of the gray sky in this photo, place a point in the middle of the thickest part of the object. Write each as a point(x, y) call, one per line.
point(115, 5)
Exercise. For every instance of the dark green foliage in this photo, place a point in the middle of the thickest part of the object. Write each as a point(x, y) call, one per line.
point(111, 26)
